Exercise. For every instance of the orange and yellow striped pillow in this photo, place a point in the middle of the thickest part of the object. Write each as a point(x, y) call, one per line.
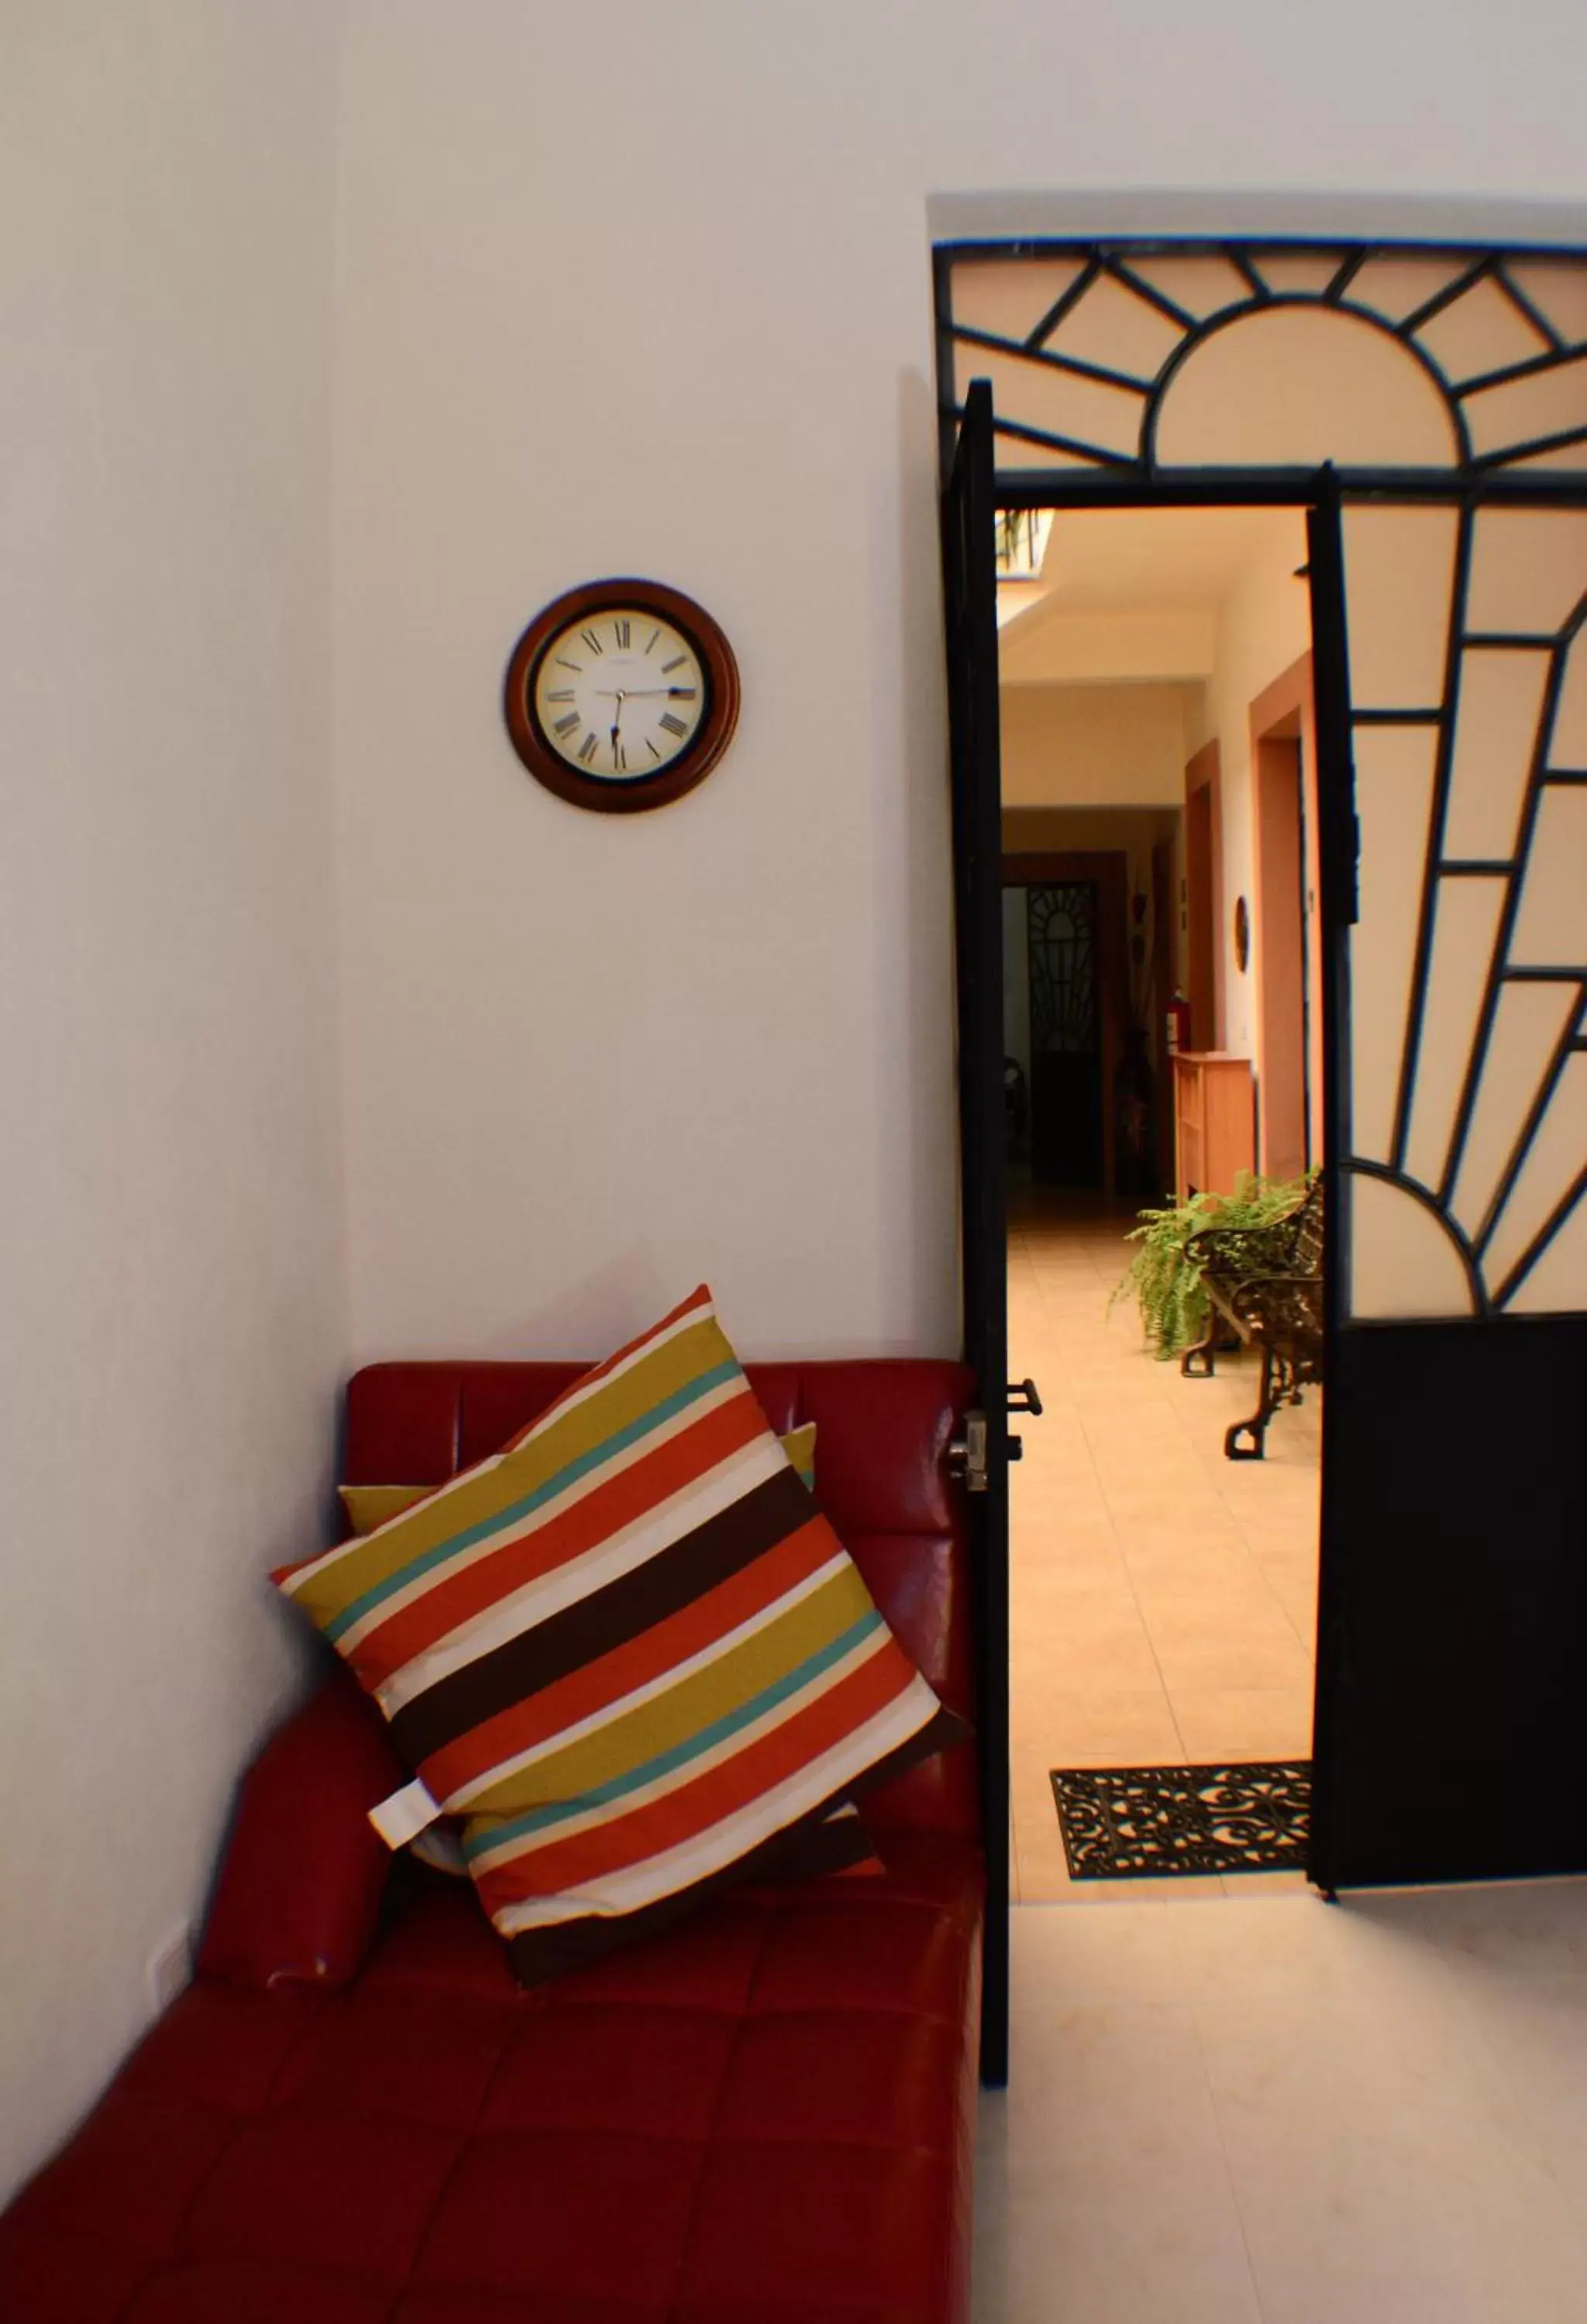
point(629, 1651)
point(365, 1506)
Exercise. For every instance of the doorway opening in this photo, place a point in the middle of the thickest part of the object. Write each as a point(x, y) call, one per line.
point(1428, 400)
point(1160, 983)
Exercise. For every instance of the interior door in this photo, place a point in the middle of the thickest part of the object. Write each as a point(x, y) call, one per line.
point(970, 606)
point(1066, 1093)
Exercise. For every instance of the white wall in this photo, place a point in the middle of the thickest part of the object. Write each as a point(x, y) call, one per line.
point(1096, 745)
point(170, 1286)
point(647, 290)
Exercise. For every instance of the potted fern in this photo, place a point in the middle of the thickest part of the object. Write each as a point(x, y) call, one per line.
point(1167, 1282)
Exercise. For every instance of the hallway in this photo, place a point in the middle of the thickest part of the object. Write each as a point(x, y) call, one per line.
point(1162, 1598)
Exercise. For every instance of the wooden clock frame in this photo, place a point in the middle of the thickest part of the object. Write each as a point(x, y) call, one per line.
point(635, 796)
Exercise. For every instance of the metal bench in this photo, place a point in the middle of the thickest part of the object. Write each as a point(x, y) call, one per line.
point(1265, 1284)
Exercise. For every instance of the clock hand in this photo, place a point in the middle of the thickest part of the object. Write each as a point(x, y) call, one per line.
point(633, 693)
point(621, 697)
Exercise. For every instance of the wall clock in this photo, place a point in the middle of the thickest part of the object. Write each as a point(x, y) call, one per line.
point(622, 695)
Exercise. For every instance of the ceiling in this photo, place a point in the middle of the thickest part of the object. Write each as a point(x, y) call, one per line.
point(1159, 558)
point(1118, 573)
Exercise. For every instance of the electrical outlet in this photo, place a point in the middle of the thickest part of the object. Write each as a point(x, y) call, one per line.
point(170, 1967)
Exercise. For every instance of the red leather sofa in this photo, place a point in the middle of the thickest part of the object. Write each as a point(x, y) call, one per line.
point(354, 2115)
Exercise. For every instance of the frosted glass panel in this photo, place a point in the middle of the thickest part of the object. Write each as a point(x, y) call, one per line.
point(1394, 791)
point(1202, 286)
point(1038, 395)
point(1545, 403)
point(1479, 332)
point(1397, 287)
point(1399, 574)
point(1465, 923)
point(1557, 1283)
point(1306, 272)
point(1116, 327)
point(1558, 1154)
point(1295, 386)
point(1528, 1026)
point(1551, 927)
point(1403, 1261)
point(1528, 570)
point(1019, 452)
point(1558, 290)
point(1010, 296)
point(1495, 736)
point(1567, 747)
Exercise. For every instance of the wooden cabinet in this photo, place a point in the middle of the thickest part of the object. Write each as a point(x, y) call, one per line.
point(1215, 1121)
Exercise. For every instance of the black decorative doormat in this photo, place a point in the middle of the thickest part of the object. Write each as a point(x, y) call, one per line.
point(1143, 1823)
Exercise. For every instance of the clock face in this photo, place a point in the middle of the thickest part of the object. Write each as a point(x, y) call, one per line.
point(620, 695)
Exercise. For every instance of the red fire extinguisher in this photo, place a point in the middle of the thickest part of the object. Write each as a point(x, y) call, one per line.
point(1178, 1020)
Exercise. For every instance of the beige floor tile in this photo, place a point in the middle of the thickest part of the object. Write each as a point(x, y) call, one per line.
point(1138, 1554)
point(1200, 1646)
point(1096, 1728)
point(1135, 1953)
point(1243, 1722)
point(1102, 1644)
point(1040, 1597)
point(1053, 1502)
point(1161, 1563)
point(1292, 1577)
point(1398, 2090)
point(1364, 2194)
point(1152, 1501)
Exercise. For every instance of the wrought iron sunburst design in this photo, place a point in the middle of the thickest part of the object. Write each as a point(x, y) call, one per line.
point(1468, 1140)
point(1158, 303)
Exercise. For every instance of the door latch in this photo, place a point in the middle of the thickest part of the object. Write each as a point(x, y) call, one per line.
point(969, 1452)
point(1024, 1397)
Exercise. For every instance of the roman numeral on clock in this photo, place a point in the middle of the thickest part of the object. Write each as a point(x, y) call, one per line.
point(561, 693)
point(566, 726)
point(672, 726)
point(676, 663)
point(621, 629)
point(593, 641)
point(586, 749)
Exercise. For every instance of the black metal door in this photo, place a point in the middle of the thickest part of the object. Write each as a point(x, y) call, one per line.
point(970, 594)
point(1449, 1742)
point(1338, 850)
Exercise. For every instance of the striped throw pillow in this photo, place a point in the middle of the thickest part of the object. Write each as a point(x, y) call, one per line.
point(628, 1650)
point(365, 1506)
point(440, 1844)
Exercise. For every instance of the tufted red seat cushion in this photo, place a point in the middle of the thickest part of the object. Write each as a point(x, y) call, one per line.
point(762, 2117)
